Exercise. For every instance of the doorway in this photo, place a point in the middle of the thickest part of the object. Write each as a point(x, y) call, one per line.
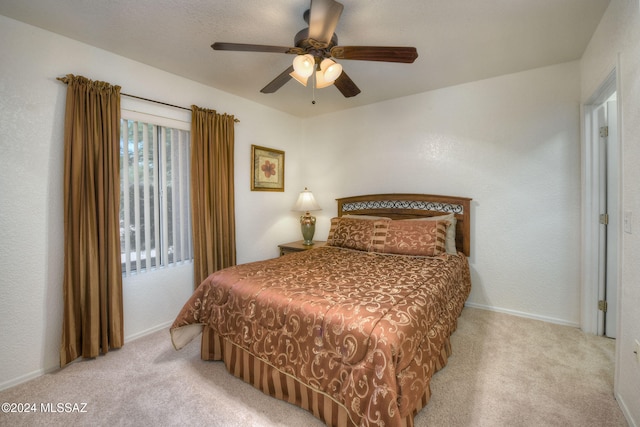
point(601, 211)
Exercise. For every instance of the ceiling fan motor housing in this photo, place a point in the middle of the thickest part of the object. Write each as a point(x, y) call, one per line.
point(313, 47)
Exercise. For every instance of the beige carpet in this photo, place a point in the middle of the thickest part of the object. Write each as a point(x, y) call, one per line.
point(504, 371)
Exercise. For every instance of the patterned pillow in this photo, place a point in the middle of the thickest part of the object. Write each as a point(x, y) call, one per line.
point(450, 244)
point(357, 233)
point(424, 238)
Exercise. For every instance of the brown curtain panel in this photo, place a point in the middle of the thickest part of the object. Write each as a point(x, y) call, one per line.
point(93, 321)
point(212, 192)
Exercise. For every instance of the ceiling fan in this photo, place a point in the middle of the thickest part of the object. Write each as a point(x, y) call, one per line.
point(314, 48)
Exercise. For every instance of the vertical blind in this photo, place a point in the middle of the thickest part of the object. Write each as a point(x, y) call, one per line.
point(155, 221)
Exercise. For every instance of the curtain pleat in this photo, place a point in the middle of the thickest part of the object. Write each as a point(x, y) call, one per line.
point(212, 192)
point(92, 283)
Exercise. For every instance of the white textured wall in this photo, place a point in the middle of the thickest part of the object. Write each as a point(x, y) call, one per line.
point(511, 143)
point(31, 194)
point(619, 35)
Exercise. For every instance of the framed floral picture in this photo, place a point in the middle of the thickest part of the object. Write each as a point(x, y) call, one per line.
point(267, 171)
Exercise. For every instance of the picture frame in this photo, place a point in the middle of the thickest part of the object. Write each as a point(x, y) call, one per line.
point(267, 169)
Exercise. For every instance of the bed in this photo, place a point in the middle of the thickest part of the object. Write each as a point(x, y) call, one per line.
point(351, 331)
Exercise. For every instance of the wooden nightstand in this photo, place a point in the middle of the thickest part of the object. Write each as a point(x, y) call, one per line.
point(287, 248)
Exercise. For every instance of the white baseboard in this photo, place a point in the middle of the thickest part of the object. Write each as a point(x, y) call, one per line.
point(523, 314)
point(38, 373)
point(626, 412)
point(149, 331)
point(27, 377)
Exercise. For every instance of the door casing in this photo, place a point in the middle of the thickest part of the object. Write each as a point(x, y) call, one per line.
point(591, 319)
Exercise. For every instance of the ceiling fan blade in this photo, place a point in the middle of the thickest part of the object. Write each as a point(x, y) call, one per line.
point(376, 53)
point(278, 82)
point(346, 85)
point(323, 21)
point(241, 47)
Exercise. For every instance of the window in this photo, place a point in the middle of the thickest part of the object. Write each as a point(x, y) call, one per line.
point(155, 215)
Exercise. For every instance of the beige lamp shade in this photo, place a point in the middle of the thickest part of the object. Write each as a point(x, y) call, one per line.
point(306, 202)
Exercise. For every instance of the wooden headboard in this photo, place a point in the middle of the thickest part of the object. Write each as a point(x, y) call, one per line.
point(407, 206)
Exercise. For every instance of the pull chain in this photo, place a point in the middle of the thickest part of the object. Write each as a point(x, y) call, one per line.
point(313, 100)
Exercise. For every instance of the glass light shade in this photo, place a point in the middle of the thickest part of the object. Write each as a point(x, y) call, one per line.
point(300, 79)
point(304, 65)
point(320, 81)
point(330, 69)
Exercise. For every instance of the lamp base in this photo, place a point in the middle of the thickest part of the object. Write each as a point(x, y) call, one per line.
point(308, 227)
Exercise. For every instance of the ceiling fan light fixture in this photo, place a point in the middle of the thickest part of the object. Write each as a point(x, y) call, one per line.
point(331, 70)
point(321, 82)
point(300, 79)
point(304, 65)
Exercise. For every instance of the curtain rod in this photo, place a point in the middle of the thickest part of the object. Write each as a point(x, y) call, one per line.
point(152, 100)
point(163, 103)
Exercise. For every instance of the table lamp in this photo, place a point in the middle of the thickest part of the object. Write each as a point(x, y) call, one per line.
point(306, 203)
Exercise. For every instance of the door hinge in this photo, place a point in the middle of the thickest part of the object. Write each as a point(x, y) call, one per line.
point(604, 131)
point(602, 305)
point(604, 219)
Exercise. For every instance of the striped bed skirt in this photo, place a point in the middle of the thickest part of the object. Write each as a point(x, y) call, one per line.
point(286, 387)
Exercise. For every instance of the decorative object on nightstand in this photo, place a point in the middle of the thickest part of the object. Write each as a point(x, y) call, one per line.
point(307, 203)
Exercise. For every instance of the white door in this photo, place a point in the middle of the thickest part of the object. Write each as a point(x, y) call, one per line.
point(599, 132)
point(602, 183)
point(613, 227)
point(606, 129)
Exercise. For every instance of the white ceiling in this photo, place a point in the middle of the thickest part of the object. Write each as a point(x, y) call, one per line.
point(458, 41)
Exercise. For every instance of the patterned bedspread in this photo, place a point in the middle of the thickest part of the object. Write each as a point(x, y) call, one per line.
point(367, 329)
